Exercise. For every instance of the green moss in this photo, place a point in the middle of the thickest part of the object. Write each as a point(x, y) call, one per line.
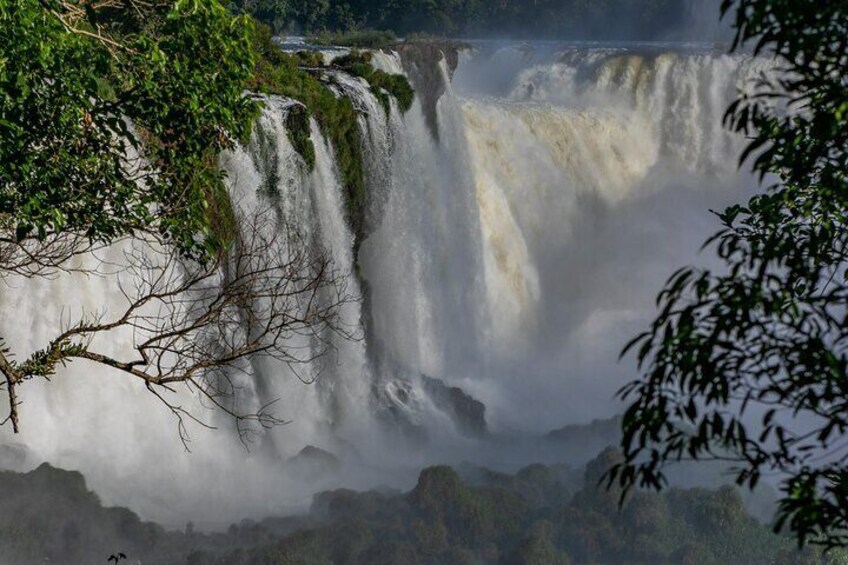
point(297, 128)
point(222, 224)
point(396, 85)
point(336, 117)
point(300, 76)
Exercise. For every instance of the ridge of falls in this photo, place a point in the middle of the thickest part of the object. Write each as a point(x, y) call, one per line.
point(511, 258)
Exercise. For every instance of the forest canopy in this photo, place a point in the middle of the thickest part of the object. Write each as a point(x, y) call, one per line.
point(571, 19)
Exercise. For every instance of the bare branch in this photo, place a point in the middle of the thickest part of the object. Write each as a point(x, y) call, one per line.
point(197, 324)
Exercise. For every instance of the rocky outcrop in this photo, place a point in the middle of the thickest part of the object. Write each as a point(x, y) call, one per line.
point(467, 413)
point(407, 401)
point(422, 62)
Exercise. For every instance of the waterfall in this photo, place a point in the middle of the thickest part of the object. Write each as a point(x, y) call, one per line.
point(511, 256)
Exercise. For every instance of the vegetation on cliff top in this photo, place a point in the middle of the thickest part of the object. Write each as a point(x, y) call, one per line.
point(303, 77)
point(383, 84)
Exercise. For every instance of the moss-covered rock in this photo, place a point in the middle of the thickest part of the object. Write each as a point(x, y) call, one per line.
point(383, 85)
point(300, 136)
point(422, 61)
point(302, 77)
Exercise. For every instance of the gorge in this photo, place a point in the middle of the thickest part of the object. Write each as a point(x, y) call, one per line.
point(518, 220)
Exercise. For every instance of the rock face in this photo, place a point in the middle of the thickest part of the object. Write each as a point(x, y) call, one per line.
point(467, 413)
point(422, 62)
point(401, 408)
point(407, 400)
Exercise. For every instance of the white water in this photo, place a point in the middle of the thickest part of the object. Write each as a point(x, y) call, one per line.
point(512, 258)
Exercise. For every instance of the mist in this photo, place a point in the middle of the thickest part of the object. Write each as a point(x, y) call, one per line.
point(512, 257)
point(471, 207)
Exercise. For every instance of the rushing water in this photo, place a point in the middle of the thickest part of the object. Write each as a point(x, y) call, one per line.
point(512, 257)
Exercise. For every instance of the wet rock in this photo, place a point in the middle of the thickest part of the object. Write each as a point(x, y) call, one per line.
point(409, 402)
point(467, 413)
point(422, 62)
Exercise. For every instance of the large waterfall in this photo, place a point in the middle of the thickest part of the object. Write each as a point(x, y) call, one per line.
point(511, 254)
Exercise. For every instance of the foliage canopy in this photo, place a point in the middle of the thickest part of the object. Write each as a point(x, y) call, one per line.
point(576, 19)
point(111, 118)
point(540, 515)
point(750, 365)
point(113, 115)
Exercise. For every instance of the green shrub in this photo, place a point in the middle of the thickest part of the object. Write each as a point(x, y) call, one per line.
point(383, 84)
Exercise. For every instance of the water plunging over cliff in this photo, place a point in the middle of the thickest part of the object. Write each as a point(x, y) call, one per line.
point(511, 255)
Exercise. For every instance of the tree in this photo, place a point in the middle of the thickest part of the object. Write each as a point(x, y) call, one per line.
point(275, 13)
point(112, 117)
point(571, 19)
point(748, 365)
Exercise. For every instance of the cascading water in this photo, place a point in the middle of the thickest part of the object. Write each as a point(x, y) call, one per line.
point(511, 256)
point(591, 172)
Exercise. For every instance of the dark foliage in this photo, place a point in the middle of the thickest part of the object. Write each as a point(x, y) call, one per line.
point(360, 39)
point(575, 19)
point(750, 365)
